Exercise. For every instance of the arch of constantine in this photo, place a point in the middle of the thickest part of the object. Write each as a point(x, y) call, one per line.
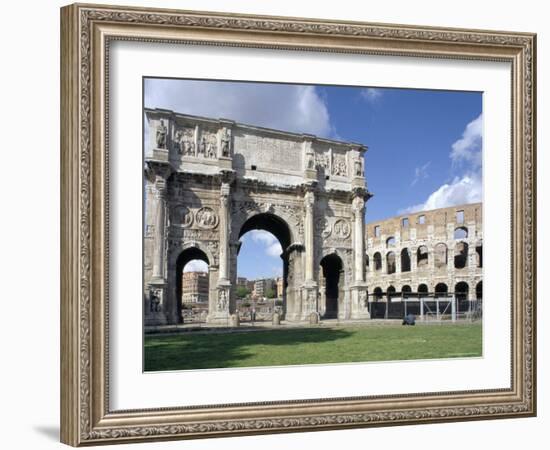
point(208, 182)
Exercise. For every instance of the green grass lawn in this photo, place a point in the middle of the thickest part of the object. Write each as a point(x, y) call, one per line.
point(311, 346)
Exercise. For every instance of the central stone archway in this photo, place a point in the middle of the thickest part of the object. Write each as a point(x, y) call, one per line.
point(212, 180)
point(278, 227)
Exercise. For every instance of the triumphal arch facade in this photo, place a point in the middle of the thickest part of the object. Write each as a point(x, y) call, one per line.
point(209, 181)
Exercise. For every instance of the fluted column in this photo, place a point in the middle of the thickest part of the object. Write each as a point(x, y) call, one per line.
point(225, 193)
point(309, 230)
point(220, 306)
point(358, 206)
point(160, 226)
point(160, 306)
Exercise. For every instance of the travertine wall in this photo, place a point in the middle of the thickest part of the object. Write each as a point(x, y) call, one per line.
point(434, 247)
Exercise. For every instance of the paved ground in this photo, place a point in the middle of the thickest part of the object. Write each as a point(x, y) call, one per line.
point(267, 325)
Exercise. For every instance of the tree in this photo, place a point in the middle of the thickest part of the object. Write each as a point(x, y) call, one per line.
point(242, 291)
point(270, 293)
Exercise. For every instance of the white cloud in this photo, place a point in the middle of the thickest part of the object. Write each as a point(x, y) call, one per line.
point(467, 149)
point(296, 108)
point(270, 243)
point(420, 173)
point(466, 189)
point(196, 265)
point(371, 95)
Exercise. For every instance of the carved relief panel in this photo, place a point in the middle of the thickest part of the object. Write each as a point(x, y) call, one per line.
point(206, 218)
point(181, 216)
point(290, 213)
point(342, 229)
point(208, 145)
point(339, 165)
point(184, 141)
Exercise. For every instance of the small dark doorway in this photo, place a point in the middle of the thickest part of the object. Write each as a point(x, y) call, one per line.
point(479, 290)
point(333, 280)
point(405, 260)
point(462, 294)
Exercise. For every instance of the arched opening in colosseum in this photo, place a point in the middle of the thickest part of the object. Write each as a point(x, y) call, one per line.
point(367, 262)
point(479, 255)
point(405, 260)
point(377, 261)
point(422, 257)
point(379, 304)
point(479, 290)
point(441, 290)
point(393, 308)
point(333, 280)
point(275, 234)
point(440, 256)
point(192, 285)
point(390, 262)
point(461, 255)
point(390, 242)
point(422, 293)
point(461, 233)
point(406, 291)
point(461, 294)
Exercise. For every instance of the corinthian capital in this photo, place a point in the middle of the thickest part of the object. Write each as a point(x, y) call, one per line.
point(358, 204)
point(309, 199)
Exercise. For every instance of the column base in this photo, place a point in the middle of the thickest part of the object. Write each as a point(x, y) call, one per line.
point(219, 311)
point(154, 307)
point(359, 301)
point(218, 318)
point(310, 300)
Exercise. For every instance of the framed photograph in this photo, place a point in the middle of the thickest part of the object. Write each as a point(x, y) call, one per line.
point(279, 224)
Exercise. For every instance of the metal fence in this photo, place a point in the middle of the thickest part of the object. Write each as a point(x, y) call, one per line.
point(425, 306)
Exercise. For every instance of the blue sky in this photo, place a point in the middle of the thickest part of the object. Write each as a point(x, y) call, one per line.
point(424, 145)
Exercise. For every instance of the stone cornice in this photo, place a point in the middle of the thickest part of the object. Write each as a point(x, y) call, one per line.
point(299, 137)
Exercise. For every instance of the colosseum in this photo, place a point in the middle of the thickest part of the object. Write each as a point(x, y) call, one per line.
point(421, 261)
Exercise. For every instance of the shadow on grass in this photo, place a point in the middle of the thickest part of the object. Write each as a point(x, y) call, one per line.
point(311, 346)
point(237, 349)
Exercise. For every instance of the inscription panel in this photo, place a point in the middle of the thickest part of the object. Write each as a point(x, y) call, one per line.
point(266, 152)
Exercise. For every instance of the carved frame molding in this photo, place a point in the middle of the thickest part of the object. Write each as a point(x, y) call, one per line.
point(86, 32)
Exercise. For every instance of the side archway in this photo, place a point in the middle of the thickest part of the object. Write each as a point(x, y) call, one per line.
point(333, 282)
point(187, 255)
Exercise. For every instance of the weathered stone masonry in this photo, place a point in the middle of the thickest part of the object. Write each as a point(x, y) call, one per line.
point(438, 251)
point(207, 182)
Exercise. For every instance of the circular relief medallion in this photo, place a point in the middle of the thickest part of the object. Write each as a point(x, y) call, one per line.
point(206, 218)
point(183, 216)
point(341, 229)
point(323, 227)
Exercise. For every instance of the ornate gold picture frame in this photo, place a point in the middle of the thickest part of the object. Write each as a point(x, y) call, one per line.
point(87, 32)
